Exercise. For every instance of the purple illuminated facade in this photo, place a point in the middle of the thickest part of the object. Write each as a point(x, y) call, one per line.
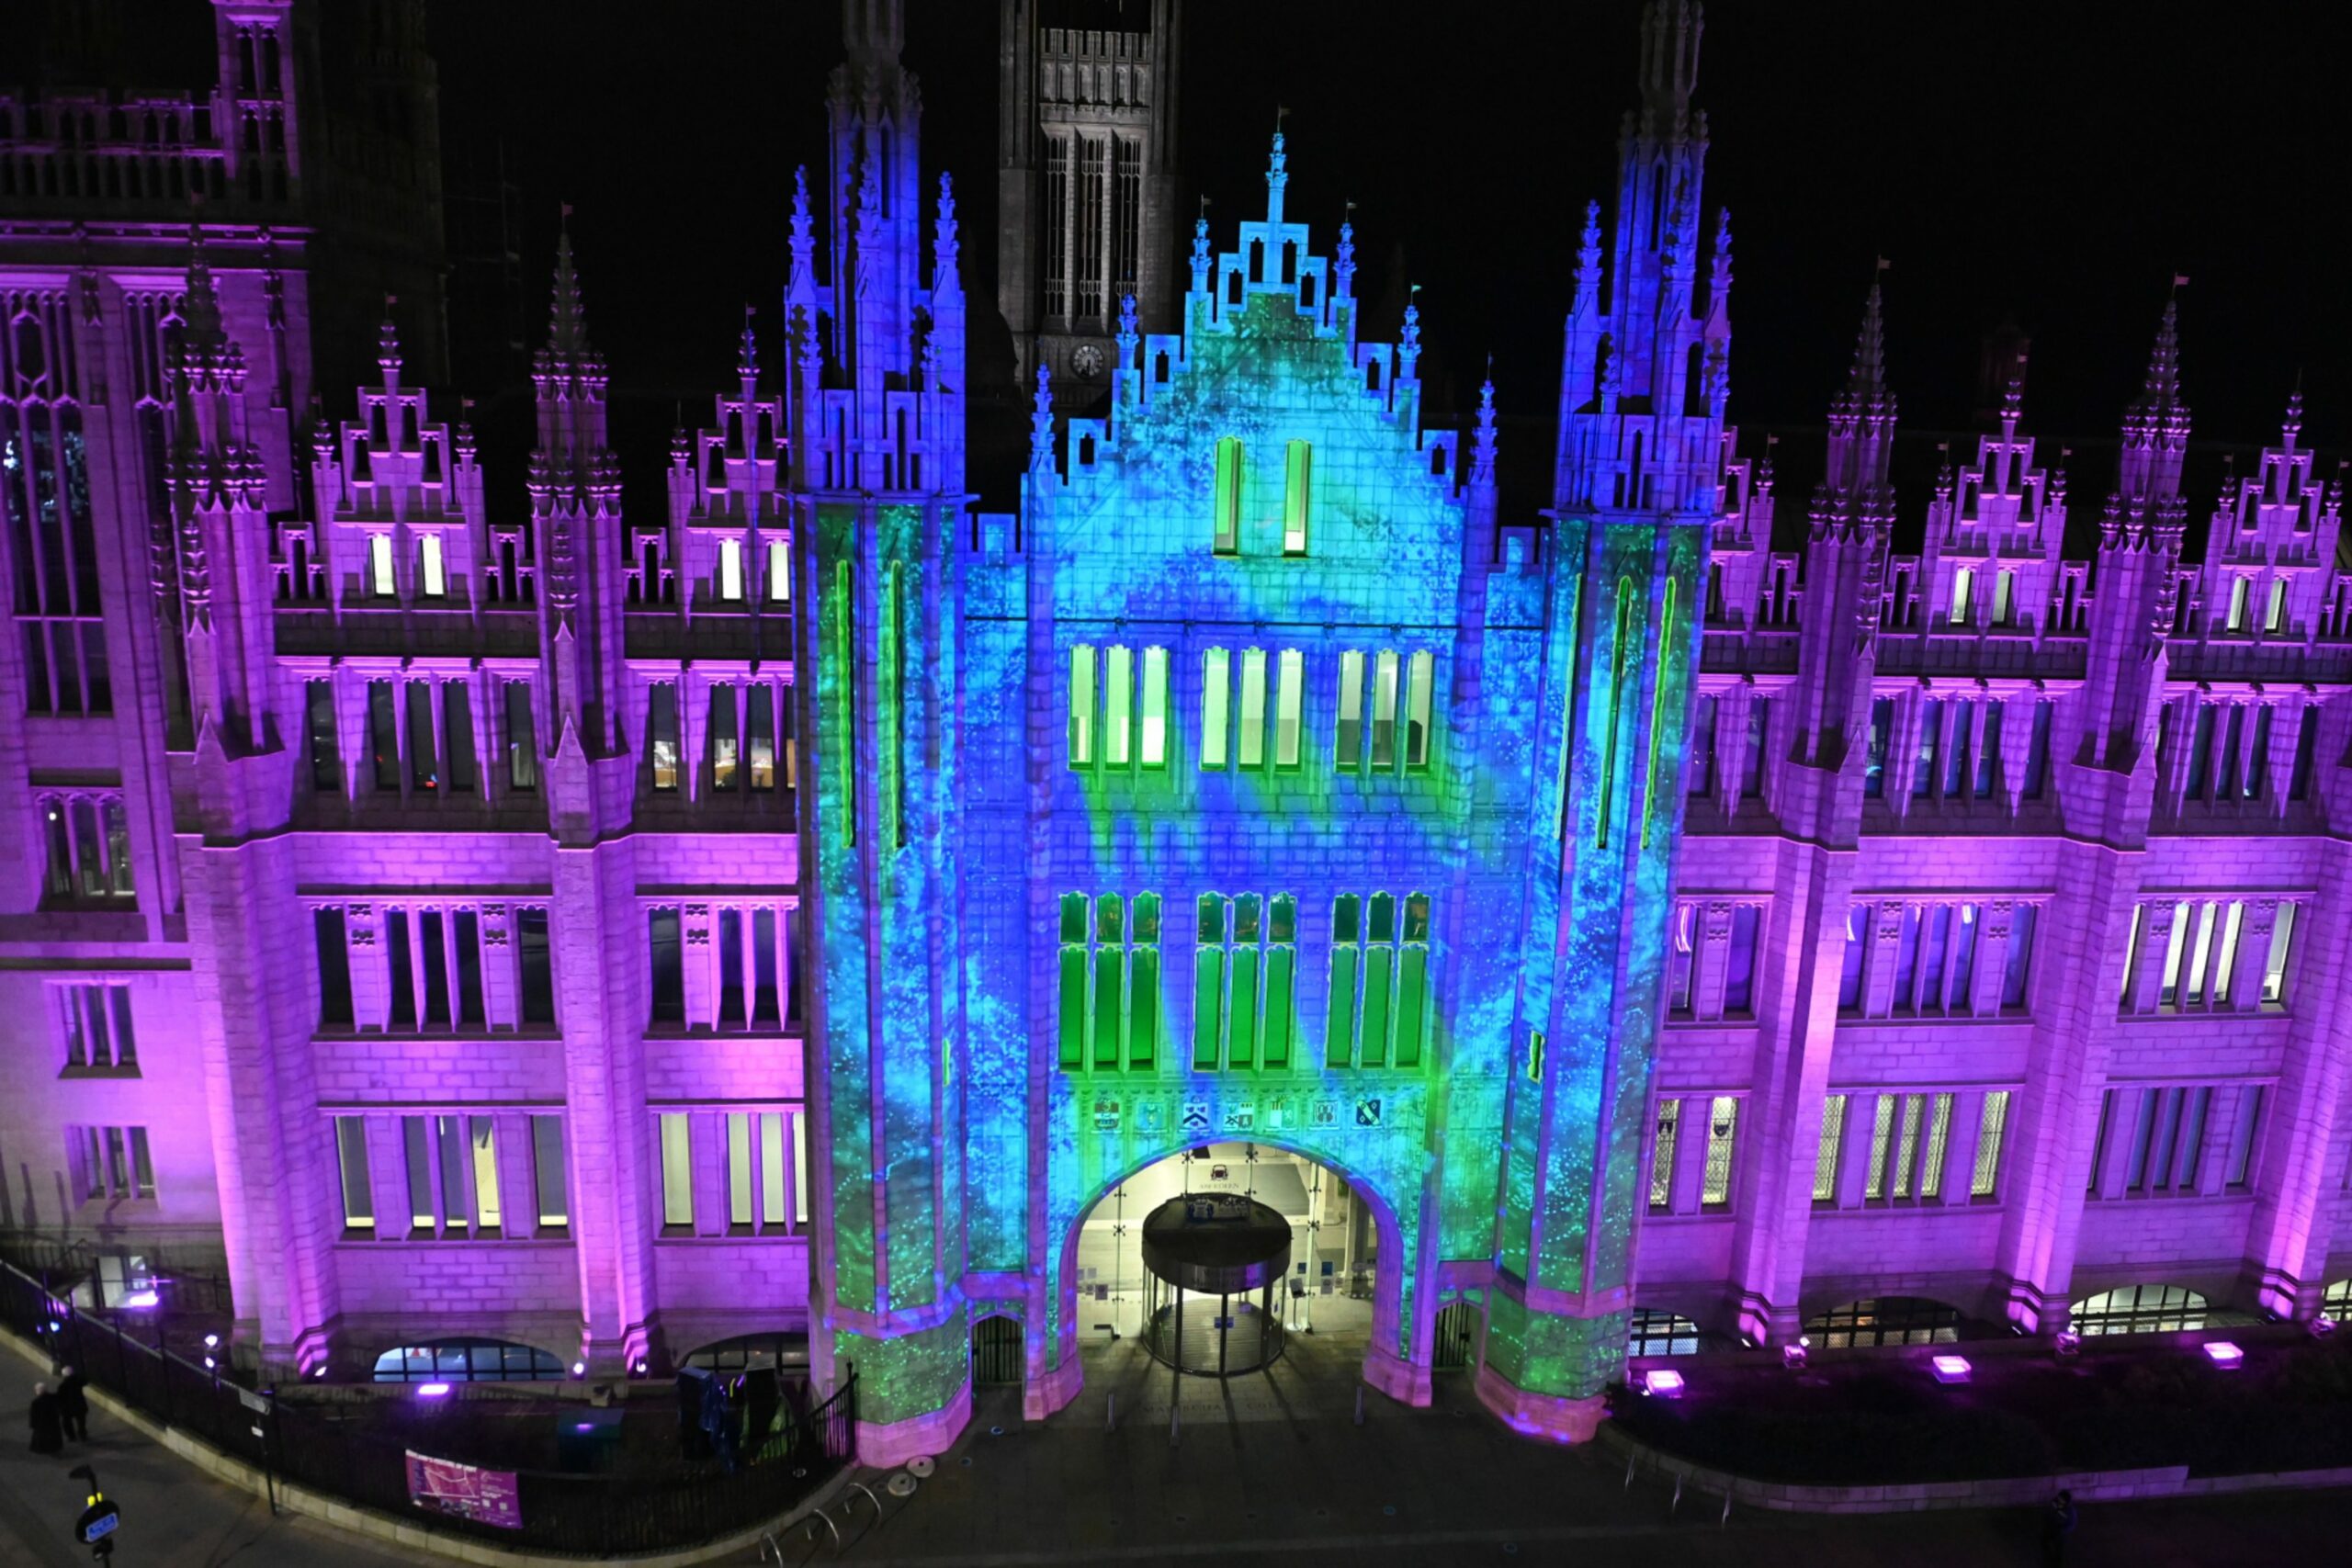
point(405, 906)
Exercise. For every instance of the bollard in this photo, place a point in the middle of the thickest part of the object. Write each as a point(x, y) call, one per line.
point(1358, 1404)
point(1174, 1413)
point(1110, 1413)
point(1676, 1506)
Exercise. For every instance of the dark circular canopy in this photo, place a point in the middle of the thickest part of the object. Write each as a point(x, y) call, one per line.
point(1217, 1244)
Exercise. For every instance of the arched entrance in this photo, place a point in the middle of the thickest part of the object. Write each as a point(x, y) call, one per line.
point(997, 1352)
point(1336, 1250)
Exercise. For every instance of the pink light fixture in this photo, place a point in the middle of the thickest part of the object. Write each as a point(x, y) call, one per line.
point(1662, 1382)
point(2224, 1355)
point(433, 1391)
point(1951, 1368)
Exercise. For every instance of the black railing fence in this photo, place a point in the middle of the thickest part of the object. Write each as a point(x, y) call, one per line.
point(334, 1450)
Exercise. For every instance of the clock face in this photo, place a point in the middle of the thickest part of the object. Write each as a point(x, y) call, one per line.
point(1087, 360)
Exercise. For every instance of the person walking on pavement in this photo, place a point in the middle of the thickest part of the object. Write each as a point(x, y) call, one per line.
point(2057, 1524)
point(74, 1404)
point(48, 1436)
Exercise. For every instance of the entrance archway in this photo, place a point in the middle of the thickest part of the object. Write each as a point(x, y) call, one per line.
point(998, 1355)
point(1337, 1234)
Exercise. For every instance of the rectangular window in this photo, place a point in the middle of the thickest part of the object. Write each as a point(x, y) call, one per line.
point(1874, 757)
point(98, 1028)
point(1252, 751)
point(1739, 964)
point(2168, 994)
point(334, 965)
point(1346, 741)
point(351, 1161)
point(738, 1170)
point(2016, 968)
point(1851, 965)
point(1986, 1176)
point(1825, 1153)
point(800, 1170)
point(436, 578)
point(774, 1213)
point(779, 573)
point(1906, 960)
point(1081, 706)
point(2004, 598)
point(725, 751)
point(759, 735)
point(1209, 985)
point(416, 1149)
point(1298, 462)
point(2299, 776)
point(1339, 1023)
point(424, 763)
point(2037, 750)
point(2200, 746)
point(449, 1142)
point(537, 966)
point(2225, 962)
point(666, 965)
point(2135, 1177)
point(1963, 583)
point(1931, 734)
point(2275, 617)
point(2274, 960)
point(1384, 710)
point(1703, 749)
point(488, 1216)
point(2200, 953)
point(1931, 1176)
point(318, 722)
point(1988, 752)
point(547, 1174)
point(1227, 504)
point(1681, 960)
point(662, 734)
point(1217, 698)
point(1420, 673)
point(380, 565)
point(1072, 1017)
point(1906, 1145)
point(457, 724)
point(1669, 1125)
point(1118, 706)
point(383, 734)
point(677, 1173)
point(1290, 681)
point(1722, 1127)
point(1963, 717)
point(1964, 960)
point(2238, 586)
point(730, 571)
point(2242, 1138)
point(1154, 749)
point(1751, 766)
point(522, 739)
point(1881, 1144)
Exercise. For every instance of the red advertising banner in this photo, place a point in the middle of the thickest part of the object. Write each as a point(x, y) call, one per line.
point(444, 1486)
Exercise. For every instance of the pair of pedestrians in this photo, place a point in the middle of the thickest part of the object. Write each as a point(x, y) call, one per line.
point(61, 1415)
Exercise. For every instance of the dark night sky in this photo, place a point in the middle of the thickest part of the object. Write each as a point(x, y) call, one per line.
point(2048, 161)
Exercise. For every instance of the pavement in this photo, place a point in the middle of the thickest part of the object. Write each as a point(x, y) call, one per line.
point(174, 1515)
point(1268, 1469)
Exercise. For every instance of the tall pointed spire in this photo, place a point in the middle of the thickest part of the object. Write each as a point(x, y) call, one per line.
point(200, 312)
point(1277, 180)
point(2155, 427)
point(1041, 424)
point(568, 319)
point(944, 246)
point(1854, 489)
point(1482, 449)
point(1669, 71)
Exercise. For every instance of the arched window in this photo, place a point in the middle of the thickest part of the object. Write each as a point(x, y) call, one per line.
point(468, 1360)
point(2139, 1309)
point(785, 1352)
point(1885, 1320)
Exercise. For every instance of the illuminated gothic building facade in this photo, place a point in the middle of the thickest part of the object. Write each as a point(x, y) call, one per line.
point(615, 935)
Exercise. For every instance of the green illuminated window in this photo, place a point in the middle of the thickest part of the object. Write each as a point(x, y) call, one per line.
point(1228, 495)
point(1298, 461)
point(1290, 682)
point(1669, 1134)
point(1118, 707)
point(1535, 1055)
point(1619, 655)
point(1420, 698)
point(1073, 981)
point(1722, 1127)
point(1346, 743)
point(1281, 961)
point(1208, 984)
point(1081, 706)
point(1339, 1030)
point(1143, 983)
point(1412, 981)
point(1384, 710)
point(1824, 1154)
point(1155, 707)
point(1216, 702)
point(1252, 750)
point(1110, 965)
point(1241, 1004)
point(1657, 727)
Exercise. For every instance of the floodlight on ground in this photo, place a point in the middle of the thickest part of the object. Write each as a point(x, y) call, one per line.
point(2224, 1355)
point(1664, 1383)
point(433, 1391)
point(1951, 1368)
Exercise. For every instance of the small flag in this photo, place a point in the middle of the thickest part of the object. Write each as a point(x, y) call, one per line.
point(1883, 263)
point(2180, 280)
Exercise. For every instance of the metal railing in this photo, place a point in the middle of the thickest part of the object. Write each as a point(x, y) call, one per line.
point(335, 1450)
